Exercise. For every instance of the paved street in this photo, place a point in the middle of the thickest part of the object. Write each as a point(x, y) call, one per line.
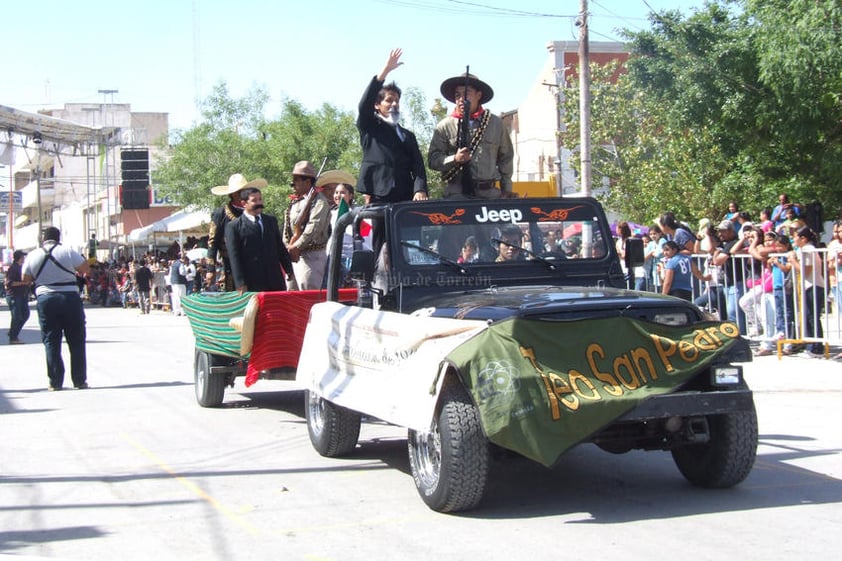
point(133, 469)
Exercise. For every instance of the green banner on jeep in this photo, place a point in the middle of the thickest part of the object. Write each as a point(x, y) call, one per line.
point(544, 386)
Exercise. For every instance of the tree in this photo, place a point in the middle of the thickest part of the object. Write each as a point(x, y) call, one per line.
point(235, 137)
point(651, 167)
point(722, 105)
point(422, 121)
point(207, 154)
point(798, 45)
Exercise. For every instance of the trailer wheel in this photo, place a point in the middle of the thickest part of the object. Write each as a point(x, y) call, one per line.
point(450, 461)
point(727, 458)
point(333, 429)
point(210, 388)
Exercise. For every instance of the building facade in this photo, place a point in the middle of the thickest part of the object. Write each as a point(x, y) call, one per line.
point(77, 185)
point(539, 155)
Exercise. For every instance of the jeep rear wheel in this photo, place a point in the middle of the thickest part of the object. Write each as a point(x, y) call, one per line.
point(727, 458)
point(450, 461)
point(333, 430)
point(210, 388)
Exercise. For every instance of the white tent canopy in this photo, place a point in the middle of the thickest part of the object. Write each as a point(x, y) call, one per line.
point(181, 221)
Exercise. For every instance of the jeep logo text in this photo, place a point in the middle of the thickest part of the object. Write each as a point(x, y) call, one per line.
point(506, 215)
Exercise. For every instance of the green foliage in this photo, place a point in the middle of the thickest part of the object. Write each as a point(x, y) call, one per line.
point(722, 105)
point(422, 120)
point(235, 137)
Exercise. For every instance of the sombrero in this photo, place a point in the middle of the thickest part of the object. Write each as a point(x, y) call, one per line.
point(237, 183)
point(448, 87)
point(336, 176)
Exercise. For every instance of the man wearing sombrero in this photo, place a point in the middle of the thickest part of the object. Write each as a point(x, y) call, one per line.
point(490, 152)
point(306, 242)
point(220, 217)
point(330, 179)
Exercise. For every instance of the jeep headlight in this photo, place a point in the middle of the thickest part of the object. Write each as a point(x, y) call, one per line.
point(672, 318)
point(729, 375)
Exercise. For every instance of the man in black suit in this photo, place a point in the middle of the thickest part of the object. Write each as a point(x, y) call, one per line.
point(221, 217)
point(392, 169)
point(255, 248)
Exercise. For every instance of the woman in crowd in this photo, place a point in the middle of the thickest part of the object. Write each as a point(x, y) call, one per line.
point(757, 302)
point(780, 266)
point(623, 234)
point(677, 273)
point(809, 265)
point(678, 232)
point(658, 238)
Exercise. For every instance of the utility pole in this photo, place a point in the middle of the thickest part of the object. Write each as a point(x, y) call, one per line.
point(584, 99)
point(89, 165)
point(10, 218)
point(109, 109)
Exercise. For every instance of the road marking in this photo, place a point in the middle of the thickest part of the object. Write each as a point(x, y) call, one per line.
point(192, 487)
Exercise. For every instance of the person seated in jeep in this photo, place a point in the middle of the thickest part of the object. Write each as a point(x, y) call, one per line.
point(508, 248)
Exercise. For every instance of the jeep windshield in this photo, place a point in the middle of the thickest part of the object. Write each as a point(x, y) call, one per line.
point(512, 233)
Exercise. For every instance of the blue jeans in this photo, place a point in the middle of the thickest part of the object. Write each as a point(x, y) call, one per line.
point(735, 313)
point(814, 298)
point(784, 313)
point(713, 297)
point(61, 313)
point(19, 310)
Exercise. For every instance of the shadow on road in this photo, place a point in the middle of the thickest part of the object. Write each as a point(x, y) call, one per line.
point(288, 401)
point(611, 489)
point(10, 541)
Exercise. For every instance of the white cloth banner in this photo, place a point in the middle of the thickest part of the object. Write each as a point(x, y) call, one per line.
point(7, 154)
point(383, 364)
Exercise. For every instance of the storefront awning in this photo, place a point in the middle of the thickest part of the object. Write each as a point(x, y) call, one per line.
point(181, 221)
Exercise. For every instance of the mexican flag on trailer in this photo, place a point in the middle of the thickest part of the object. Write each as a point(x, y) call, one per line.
point(543, 386)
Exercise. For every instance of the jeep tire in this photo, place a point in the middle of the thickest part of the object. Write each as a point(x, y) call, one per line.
point(333, 429)
point(727, 458)
point(450, 462)
point(210, 388)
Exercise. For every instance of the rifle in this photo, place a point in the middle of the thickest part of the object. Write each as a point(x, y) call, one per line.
point(304, 217)
point(464, 140)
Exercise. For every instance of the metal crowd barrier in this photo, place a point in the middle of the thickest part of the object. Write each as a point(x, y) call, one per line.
point(757, 317)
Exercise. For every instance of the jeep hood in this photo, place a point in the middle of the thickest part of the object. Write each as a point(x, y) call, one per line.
point(553, 302)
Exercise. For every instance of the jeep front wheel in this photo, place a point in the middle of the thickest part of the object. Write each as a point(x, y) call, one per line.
point(450, 461)
point(333, 430)
point(727, 458)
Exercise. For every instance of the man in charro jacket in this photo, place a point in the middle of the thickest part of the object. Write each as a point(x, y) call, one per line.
point(307, 227)
point(392, 169)
point(219, 219)
point(490, 153)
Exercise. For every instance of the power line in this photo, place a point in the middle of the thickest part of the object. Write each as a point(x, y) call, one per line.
point(471, 8)
point(632, 22)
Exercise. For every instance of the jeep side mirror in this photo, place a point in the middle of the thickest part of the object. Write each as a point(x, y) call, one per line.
point(634, 252)
point(362, 265)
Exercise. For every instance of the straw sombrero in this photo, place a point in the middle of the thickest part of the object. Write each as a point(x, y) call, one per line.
point(336, 176)
point(237, 183)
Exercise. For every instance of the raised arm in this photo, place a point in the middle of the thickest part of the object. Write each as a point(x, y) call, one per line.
point(391, 63)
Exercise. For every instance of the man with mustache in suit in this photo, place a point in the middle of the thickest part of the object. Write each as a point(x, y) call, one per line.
point(259, 258)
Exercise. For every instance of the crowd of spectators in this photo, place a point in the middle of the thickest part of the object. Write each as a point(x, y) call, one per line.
point(769, 273)
point(117, 282)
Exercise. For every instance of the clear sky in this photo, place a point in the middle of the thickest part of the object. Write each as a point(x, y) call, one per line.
point(163, 55)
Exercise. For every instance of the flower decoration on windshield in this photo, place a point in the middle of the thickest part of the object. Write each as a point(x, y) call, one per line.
point(554, 215)
point(441, 218)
